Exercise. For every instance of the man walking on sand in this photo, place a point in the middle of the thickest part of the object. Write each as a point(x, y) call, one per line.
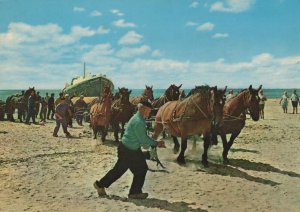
point(130, 155)
point(60, 115)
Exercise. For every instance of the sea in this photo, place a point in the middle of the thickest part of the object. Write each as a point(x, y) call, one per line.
point(269, 93)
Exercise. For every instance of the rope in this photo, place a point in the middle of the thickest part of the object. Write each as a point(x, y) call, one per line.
point(199, 108)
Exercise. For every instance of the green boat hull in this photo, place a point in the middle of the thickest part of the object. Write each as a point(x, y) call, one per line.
point(90, 87)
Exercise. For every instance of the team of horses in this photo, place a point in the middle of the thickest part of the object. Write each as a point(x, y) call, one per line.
point(203, 111)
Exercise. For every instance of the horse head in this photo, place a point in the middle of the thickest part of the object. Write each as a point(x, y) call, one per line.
point(107, 96)
point(148, 93)
point(124, 94)
point(172, 93)
point(217, 103)
point(251, 99)
point(28, 91)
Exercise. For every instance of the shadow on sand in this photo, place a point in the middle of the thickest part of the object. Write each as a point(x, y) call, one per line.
point(159, 204)
point(243, 150)
point(224, 170)
point(262, 167)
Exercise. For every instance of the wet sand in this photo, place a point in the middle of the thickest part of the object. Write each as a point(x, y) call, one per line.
point(39, 172)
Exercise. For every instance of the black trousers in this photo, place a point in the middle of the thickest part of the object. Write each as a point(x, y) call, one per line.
point(50, 109)
point(127, 159)
point(30, 114)
point(64, 125)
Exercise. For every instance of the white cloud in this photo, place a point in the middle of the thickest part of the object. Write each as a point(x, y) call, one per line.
point(78, 31)
point(102, 30)
point(47, 57)
point(132, 52)
point(101, 55)
point(78, 9)
point(191, 23)
point(130, 37)
point(220, 35)
point(156, 53)
point(123, 23)
point(95, 13)
point(206, 27)
point(116, 12)
point(233, 6)
point(263, 58)
point(194, 4)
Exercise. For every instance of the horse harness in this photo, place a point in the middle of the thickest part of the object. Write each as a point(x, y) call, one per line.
point(186, 118)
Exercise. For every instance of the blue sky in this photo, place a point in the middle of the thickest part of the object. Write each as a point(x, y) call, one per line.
point(43, 43)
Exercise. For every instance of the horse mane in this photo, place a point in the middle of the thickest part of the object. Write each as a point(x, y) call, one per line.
point(202, 89)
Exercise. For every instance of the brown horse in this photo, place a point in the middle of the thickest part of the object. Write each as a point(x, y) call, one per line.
point(121, 111)
point(19, 102)
point(100, 114)
point(193, 116)
point(147, 95)
point(234, 116)
point(171, 94)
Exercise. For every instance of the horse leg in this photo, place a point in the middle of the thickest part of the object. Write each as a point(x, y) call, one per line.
point(95, 130)
point(157, 129)
point(229, 144)
point(180, 158)
point(214, 135)
point(194, 137)
point(103, 133)
point(225, 152)
point(122, 129)
point(116, 128)
point(176, 145)
point(206, 145)
point(20, 114)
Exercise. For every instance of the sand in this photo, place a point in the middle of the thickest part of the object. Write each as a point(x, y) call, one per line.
point(39, 172)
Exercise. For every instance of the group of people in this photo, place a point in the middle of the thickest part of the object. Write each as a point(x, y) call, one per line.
point(60, 110)
point(284, 101)
point(40, 105)
point(64, 113)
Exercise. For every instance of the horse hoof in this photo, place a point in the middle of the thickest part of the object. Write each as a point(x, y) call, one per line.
point(205, 163)
point(225, 161)
point(181, 161)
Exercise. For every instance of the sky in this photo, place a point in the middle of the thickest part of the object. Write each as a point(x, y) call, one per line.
point(234, 43)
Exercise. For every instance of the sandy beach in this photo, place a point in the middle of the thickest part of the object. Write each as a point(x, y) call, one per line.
point(39, 172)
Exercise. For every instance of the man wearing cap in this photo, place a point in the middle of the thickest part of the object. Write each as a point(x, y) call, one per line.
point(80, 106)
point(60, 115)
point(130, 155)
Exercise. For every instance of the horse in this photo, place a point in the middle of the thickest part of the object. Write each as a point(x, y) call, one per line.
point(100, 114)
point(20, 102)
point(196, 114)
point(147, 95)
point(171, 94)
point(2, 110)
point(121, 111)
point(234, 116)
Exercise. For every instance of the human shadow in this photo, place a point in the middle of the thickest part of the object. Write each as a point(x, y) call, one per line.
point(159, 204)
point(72, 137)
point(244, 150)
point(224, 170)
point(262, 167)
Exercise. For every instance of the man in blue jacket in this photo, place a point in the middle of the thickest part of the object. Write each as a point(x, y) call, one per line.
point(130, 155)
